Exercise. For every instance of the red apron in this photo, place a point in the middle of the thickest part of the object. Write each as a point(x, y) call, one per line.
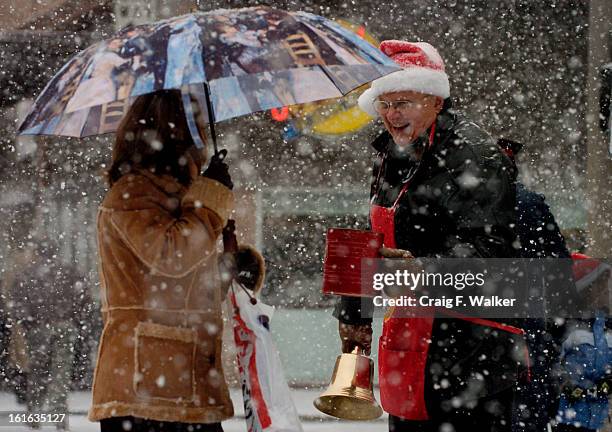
point(403, 346)
point(404, 343)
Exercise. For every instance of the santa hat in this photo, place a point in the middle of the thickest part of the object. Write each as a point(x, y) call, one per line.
point(423, 72)
point(587, 270)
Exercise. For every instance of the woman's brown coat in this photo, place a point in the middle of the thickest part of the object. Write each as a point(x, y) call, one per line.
point(161, 291)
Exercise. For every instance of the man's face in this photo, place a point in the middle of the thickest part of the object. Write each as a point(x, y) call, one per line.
point(408, 119)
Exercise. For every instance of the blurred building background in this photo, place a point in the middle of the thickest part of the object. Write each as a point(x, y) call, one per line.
point(526, 70)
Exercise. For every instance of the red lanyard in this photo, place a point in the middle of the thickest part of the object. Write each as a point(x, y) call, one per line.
point(432, 133)
point(402, 192)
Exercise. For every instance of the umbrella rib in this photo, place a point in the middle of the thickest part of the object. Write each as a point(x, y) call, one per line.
point(331, 78)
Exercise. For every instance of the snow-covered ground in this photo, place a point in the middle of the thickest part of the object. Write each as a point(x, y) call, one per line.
point(312, 419)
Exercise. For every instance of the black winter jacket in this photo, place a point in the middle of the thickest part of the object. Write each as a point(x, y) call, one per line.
point(460, 203)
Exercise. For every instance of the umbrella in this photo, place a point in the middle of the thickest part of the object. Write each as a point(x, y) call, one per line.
point(232, 62)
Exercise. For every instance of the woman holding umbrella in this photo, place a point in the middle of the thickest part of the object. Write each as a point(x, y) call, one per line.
point(161, 286)
point(159, 360)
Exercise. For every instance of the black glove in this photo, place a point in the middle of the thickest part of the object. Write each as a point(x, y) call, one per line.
point(218, 170)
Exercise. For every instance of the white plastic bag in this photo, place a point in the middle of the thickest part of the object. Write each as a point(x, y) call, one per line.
point(267, 400)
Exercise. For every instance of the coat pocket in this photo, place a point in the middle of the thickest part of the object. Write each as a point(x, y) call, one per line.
point(402, 382)
point(164, 362)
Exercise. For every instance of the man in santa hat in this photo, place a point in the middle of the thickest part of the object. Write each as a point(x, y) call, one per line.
point(441, 187)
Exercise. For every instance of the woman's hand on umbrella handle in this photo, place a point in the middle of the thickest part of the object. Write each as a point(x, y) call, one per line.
point(218, 170)
point(221, 154)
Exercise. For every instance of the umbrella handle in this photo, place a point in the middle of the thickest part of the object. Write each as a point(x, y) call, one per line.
point(211, 117)
point(194, 129)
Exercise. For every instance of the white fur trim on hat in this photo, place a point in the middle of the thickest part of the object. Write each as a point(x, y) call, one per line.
point(418, 79)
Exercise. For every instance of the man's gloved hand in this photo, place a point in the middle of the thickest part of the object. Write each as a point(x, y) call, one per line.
point(394, 253)
point(218, 170)
point(412, 264)
point(356, 335)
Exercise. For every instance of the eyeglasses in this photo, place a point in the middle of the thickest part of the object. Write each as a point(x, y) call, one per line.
point(382, 107)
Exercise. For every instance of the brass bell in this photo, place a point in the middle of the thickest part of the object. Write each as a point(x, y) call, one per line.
point(350, 395)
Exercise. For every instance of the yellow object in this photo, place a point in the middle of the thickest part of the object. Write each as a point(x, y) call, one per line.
point(350, 120)
point(336, 117)
point(350, 395)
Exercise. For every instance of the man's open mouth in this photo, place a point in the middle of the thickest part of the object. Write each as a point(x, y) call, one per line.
point(406, 128)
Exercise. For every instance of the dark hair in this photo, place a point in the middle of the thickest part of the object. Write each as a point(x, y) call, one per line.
point(154, 135)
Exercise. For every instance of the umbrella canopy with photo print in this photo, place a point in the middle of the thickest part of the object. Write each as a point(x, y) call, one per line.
point(237, 61)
